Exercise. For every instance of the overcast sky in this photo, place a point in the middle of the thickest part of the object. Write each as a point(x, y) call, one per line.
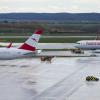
point(74, 6)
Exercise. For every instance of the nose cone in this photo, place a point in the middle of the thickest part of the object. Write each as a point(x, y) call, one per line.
point(77, 45)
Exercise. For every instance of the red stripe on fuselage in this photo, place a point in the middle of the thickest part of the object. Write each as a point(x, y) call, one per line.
point(27, 47)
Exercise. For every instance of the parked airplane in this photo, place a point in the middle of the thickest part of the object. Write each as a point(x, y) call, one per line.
point(27, 49)
point(88, 44)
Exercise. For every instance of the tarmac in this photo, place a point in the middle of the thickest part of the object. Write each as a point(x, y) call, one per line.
point(63, 79)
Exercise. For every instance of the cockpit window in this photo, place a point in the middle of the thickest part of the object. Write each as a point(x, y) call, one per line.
point(77, 43)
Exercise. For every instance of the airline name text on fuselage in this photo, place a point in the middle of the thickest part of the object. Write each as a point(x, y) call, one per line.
point(93, 43)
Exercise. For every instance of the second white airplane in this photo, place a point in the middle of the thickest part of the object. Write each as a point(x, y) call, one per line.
point(88, 44)
point(27, 49)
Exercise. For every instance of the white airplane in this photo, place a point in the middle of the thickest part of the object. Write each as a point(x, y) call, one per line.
point(88, 44)
point(27, 49)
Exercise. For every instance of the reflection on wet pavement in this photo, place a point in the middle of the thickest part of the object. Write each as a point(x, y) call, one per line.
point(29, 79)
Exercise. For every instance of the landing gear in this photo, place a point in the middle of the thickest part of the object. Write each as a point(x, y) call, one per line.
point(78, 51)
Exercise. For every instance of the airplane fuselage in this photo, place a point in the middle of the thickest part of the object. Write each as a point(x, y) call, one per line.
point(88, 44)
point(27, 49)
point(13, 53)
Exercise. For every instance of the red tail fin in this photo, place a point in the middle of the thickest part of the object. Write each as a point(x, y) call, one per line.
point(31, 43)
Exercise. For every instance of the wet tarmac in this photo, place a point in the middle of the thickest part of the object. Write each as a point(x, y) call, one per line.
point(63, 79)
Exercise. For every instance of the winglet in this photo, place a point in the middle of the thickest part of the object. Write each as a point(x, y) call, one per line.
point(9, 45)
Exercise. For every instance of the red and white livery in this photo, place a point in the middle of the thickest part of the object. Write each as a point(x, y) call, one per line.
point(27, 49)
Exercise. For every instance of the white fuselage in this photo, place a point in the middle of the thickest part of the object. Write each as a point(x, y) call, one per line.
point(27, 49)
point(13, 53)
point(88, 44)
